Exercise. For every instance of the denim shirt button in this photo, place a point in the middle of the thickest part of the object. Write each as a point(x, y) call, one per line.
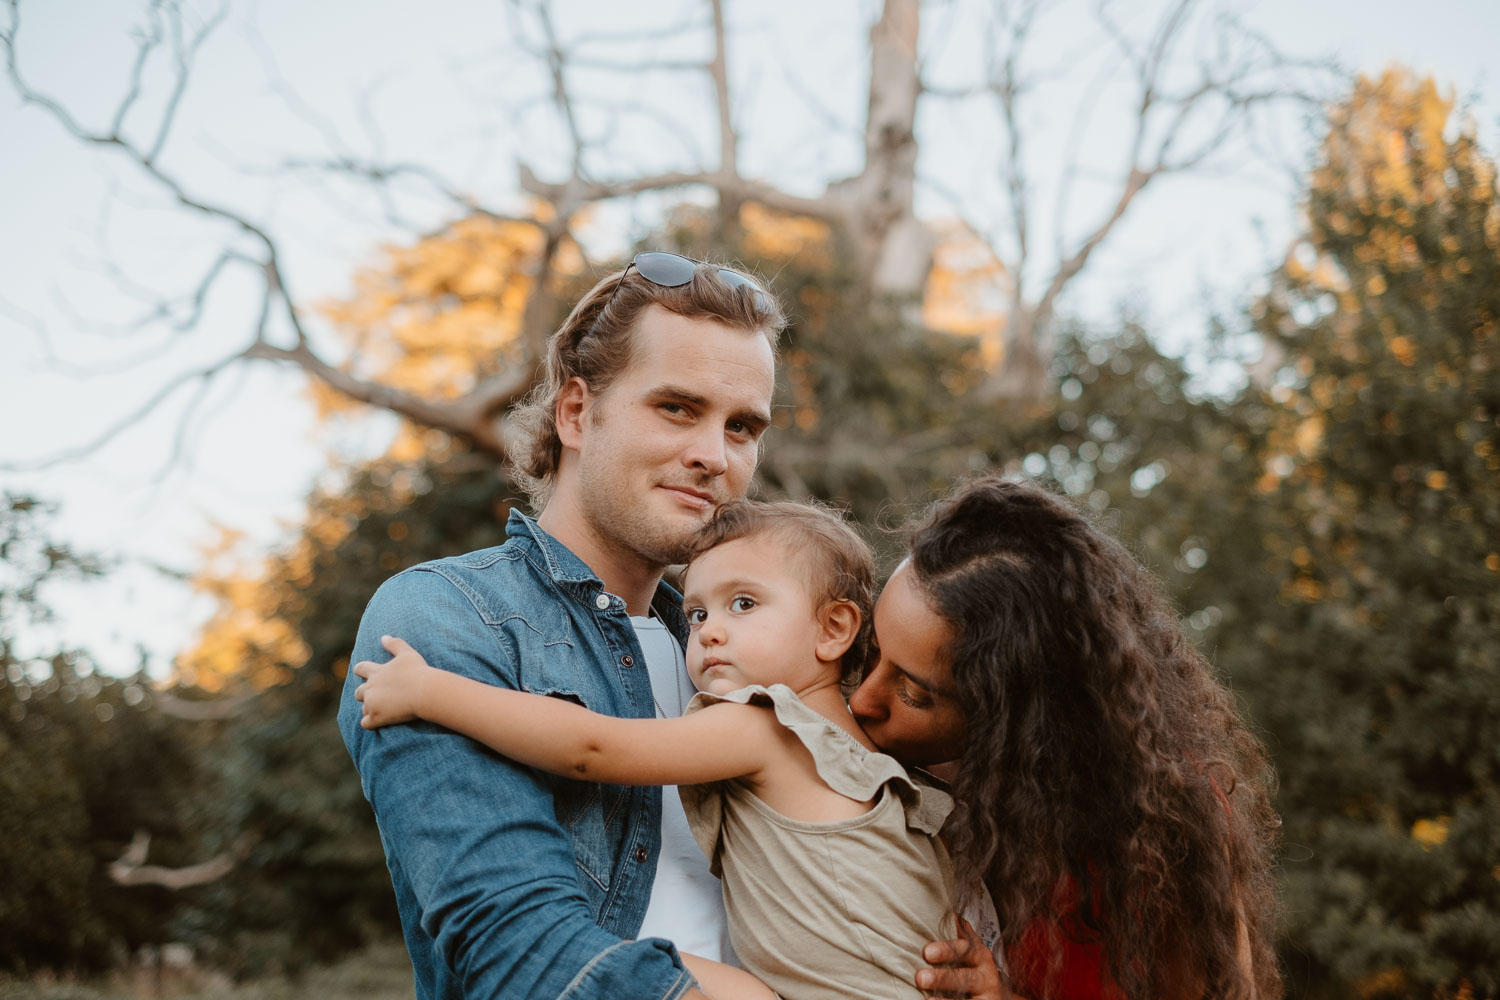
point(641, 854)
point(601, 602)
point(627, 660)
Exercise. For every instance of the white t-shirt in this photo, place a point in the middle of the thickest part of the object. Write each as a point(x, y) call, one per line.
point(687, 902)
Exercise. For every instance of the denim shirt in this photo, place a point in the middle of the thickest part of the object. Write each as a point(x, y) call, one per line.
point(511, 882)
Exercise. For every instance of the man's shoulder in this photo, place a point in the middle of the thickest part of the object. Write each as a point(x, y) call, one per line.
point(470, 562)
point(494, 580)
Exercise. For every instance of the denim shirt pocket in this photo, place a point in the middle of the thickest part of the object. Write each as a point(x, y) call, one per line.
point(557, 668)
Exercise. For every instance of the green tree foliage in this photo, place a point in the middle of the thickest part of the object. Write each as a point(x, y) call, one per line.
point(83, 765)
point(1374, 666)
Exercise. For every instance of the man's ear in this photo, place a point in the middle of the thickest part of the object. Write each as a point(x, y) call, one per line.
point(573, 402)
point(838, 624)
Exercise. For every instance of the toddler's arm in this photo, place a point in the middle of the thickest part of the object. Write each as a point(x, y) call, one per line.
point(725, 982)
point(564, 738)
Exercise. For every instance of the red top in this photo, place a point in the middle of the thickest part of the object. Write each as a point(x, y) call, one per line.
point(1081, 974)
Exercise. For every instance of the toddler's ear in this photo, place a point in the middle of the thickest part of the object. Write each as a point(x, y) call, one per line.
point(838, 624)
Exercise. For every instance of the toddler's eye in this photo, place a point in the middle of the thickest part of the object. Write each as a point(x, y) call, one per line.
point(695, 616)
point(742, 604)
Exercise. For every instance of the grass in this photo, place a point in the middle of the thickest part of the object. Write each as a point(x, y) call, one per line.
point(379, 972)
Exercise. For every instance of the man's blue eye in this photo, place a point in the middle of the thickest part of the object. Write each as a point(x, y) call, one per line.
point(743, 429)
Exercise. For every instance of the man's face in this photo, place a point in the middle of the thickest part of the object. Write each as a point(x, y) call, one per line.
point(675, 435)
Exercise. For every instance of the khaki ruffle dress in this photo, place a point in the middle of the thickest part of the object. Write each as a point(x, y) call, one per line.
point(828, 911)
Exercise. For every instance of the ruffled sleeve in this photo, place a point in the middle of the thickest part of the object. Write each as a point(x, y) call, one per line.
point(847, 767)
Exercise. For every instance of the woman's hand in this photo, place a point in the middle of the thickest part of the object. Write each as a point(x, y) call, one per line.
point(392, 691)
point(963, 967)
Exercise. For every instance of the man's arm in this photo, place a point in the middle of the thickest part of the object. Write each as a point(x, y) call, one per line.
point(476, 837)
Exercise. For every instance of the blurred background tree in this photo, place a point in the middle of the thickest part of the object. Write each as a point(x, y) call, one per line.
point(86, 764)
point(1373, 665)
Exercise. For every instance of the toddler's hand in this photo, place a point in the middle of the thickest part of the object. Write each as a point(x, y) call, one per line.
point(392, 691)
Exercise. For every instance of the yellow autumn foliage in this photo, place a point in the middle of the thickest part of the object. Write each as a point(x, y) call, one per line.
point(1388, 141)
point(776, 236)
point(435, 316)
point(1431, 833)
point(967, 291)
point(431, 318)
point(1386, 151)
point(246, 639)
point(249, 639)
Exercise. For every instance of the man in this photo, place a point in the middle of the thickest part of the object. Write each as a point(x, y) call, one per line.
point(511, 883)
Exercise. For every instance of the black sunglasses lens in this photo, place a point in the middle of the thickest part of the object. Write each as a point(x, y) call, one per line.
point(667, 269)
point(673, 270)
point(735, 279)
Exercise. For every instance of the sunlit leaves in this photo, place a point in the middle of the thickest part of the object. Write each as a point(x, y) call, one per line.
point(435, 316)
point(1384, 413)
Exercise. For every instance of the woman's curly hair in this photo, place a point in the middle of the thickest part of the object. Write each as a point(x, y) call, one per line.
point(1108, 789)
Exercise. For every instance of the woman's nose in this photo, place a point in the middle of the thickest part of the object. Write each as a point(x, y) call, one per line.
point(865, 702)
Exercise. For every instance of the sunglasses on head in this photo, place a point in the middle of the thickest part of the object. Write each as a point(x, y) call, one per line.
point(672, 270)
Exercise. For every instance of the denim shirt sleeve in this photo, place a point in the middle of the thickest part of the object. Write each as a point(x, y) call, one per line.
point(471, 838)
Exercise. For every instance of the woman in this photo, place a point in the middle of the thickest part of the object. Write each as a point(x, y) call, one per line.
point(1111, 803)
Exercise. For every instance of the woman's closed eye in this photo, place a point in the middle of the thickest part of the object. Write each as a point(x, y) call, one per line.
point(911, 695)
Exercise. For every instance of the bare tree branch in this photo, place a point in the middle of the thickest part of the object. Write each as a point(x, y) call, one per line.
point(149, 39)
point(1162, 121)
point(194, 710)
point(1177, 122)
point(827, 207)
point(464, 417)
point(184, 63)
point(718, 71)
point(1007, 86)
point(380, 174)
point(114, 430)
point(130, 867)
point(557, 66)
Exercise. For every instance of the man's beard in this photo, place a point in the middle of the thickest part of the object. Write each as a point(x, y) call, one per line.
point(627, 522)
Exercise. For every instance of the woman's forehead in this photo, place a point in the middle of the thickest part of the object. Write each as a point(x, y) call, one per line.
point(911, 634)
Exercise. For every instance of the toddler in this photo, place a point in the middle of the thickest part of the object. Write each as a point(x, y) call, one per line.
point(833, 874)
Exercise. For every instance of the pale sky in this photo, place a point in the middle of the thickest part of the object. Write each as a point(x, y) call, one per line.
point(443, 85)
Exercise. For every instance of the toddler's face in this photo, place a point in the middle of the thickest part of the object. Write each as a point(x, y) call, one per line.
point(751, 618)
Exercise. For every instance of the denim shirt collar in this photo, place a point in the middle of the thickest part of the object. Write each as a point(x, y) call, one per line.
point(573, 575)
